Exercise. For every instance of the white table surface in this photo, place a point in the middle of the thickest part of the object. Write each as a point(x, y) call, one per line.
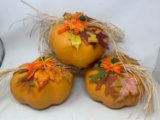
point(138, 18)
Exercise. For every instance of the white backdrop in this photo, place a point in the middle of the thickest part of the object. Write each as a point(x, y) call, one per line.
point(138, 18)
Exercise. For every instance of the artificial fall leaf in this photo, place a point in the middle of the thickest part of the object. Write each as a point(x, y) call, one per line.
point(31, 73)
point(43, 76)
point(29, 84)
point(35, 69)
point(89, 37)
point(34, 66)
point(107, 82)
point(75, 22)
point(117, 83)
point(99, 83)
point(92, 38)
point(84, 35)
point(67, 16)
point(101, 74)
point(101, 40)
point(21, 79)
point(75, 40)
point(129, 60)
point(128, 86)
point(25, 82)
point(94, 30)
point(57, 74)
point(68, 75)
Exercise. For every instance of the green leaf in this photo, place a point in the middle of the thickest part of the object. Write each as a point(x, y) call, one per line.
point(21, 79)
point(92, 38)
point(101, 74)
point(129, 60)
point(29, 84)
point(117, 83)
point(75, 40)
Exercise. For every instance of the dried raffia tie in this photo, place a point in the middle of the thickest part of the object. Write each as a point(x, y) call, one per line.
point(4, 77)
point(5, 73)
point(45, 23)
point(149, 83)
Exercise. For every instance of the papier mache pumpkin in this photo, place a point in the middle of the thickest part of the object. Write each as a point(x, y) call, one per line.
point(76, 39)
point(75, 43)
point(110, 83)
point(42, 83)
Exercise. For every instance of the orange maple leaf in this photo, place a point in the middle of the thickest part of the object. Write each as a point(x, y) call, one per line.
point(43, 76)
point(41, 70)
point(74, 23)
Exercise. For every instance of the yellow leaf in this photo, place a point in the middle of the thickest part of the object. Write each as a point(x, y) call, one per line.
point(75, 40)
point(96, 31)
point(68, 75)
point(117, 83)
point(67, 16)
point(92, 38)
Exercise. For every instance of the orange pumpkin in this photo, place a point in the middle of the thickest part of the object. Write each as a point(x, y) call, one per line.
point(42, 84)
point(74, 44)
point(111, 85)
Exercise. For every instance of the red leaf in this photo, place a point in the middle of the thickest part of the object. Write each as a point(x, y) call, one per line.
point(101, 38)
point(99, 84)
point(108, 83)
point(84, 35)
